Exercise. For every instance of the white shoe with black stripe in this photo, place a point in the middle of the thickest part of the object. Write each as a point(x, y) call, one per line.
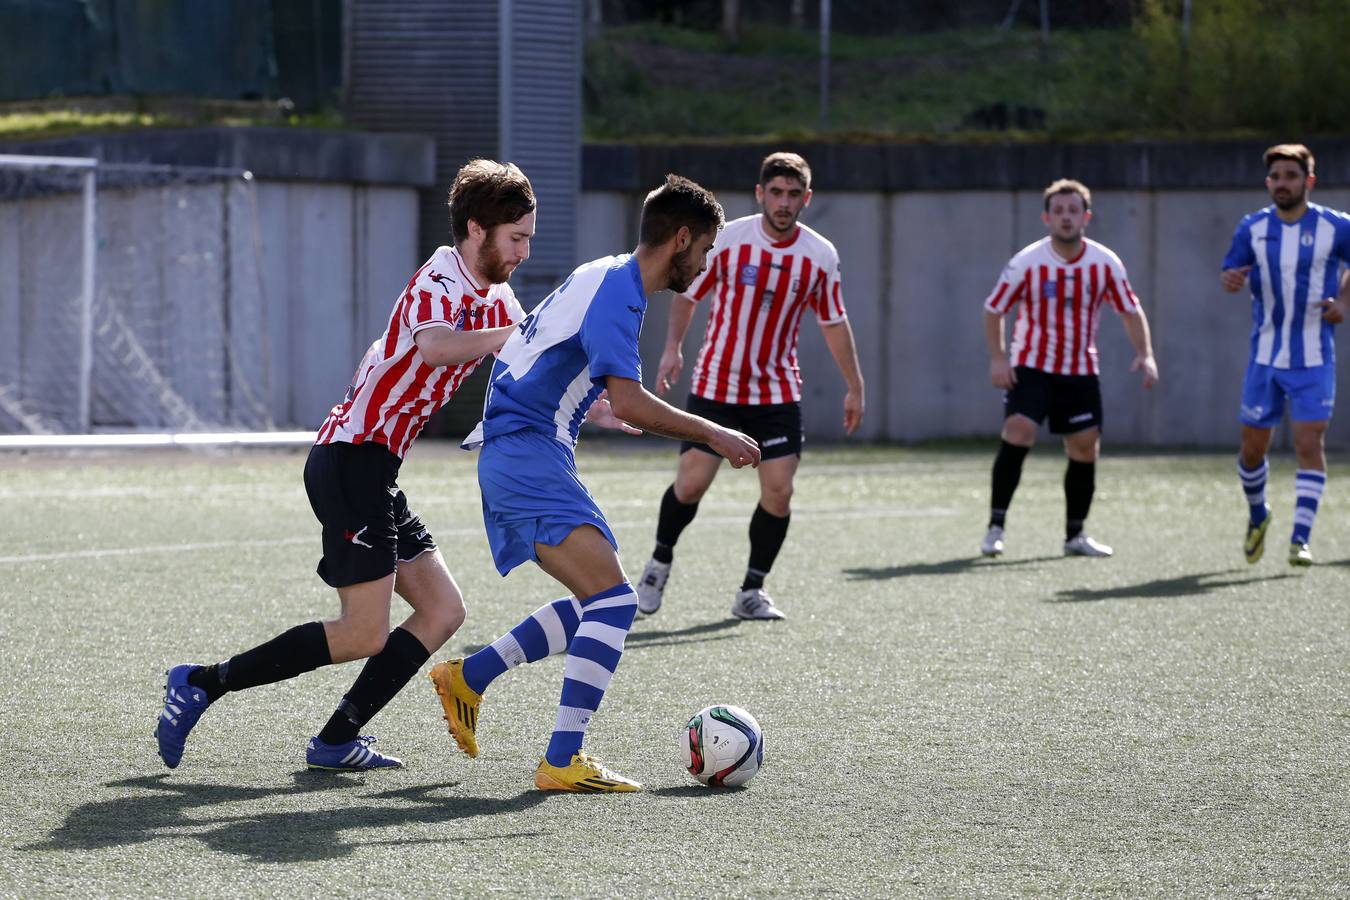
point(755, 603)
point(651, 586)
point(353, 756)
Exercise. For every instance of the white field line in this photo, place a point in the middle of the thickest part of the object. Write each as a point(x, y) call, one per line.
point(823, 515)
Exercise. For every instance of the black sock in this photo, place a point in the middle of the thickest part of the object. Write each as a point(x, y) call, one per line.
point(1007, 473)
point(291, 653)
point(383, 676)
point(767, 533)
point(211, 680)
point(673, 518)
point(1080, 479)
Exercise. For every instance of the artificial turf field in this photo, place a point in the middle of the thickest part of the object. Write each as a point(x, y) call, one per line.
point(1168, 722)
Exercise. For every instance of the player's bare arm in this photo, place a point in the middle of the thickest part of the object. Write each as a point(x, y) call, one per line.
point(672, 358)
point(1136, 328)
point(637, 406)
point(1234, 279)
point(839, 338)
point(1334, 309)
point(448, 347)
point(1001, 372)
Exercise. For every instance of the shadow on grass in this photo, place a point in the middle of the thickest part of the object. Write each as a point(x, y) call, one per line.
point(1181, 586)
point(640, 638)
point(694, 790)
point(957, 566)
point(284, 836)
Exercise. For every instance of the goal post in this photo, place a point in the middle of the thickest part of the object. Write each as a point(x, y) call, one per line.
point(131, 300)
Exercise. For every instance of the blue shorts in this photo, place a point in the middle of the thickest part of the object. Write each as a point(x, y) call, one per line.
point(1311, 393)
point(532, 495)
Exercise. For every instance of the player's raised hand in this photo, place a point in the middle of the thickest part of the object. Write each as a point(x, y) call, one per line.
point(739, 449)
point(1149, 366)
point(1233, 279)
point(602, 414)
point(668, 372)
point(1333, 311)
point(853, 411)
point(1001, 373)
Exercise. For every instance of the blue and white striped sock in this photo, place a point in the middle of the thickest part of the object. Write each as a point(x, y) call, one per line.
point(1254, 486)
point(1308, 487)
point(591, 660)
point(546, 631)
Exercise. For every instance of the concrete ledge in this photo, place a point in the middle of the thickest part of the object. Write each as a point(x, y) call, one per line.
point(926, 167)
point(281, 154)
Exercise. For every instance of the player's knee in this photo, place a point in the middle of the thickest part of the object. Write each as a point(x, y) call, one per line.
point(1019, 432)
point(1307, 442)
point(451, 614)
point(777, 501)
point(368, 641)
point(688, 492)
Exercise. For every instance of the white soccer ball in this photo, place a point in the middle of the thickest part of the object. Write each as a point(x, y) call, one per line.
point(722, 746)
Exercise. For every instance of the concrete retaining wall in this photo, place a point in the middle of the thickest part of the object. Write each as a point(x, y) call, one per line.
point(918, 263)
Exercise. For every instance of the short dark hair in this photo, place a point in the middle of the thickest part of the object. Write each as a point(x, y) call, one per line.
point(1294, 153)
point(676, 204)
point(490, 193)
point(788, 165)
point(1068, 186)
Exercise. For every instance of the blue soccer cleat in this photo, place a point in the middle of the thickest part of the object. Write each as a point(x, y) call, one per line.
point(353, 756)
point(183, 706)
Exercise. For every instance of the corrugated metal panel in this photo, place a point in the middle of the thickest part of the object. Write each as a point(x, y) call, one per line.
point(541, 128)
point(429, 67)
point(494, 78)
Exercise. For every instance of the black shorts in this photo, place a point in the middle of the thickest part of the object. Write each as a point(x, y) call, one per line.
point(776, 427)
point(1073, 402)
point(367, 526)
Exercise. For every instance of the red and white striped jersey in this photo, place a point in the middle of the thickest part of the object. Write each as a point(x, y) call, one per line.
point(1059, 305)
point(760, 289)
point(394, 391)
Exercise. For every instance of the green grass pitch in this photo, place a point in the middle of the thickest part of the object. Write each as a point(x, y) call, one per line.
point(1168, 722)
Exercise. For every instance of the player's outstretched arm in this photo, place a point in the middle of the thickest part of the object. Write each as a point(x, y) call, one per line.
point(672, 358)
point(1136, 328)
point(839, 338)
point(637, 406)
point(444, 346)
point(1001, 373)
point(1232, 280)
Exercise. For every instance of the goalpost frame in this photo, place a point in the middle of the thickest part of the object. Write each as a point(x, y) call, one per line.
point(88, 166)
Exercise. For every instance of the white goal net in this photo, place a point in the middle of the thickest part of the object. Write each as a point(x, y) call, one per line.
point(130, 299)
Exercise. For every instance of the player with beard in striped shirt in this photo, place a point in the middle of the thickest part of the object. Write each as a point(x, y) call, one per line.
point(1058, 286)
point(455, 311)
point(1294, 253)
point(766, 272)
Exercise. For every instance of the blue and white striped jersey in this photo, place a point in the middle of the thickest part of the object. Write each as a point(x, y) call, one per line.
point(553, 366)
point(1295, 267)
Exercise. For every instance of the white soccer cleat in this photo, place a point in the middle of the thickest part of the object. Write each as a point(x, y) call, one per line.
point(755, 603)
point(651, 586)
point(992, 545)
point(1082, 545)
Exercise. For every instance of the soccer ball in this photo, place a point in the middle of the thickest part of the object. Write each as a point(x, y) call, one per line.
point(722, 746)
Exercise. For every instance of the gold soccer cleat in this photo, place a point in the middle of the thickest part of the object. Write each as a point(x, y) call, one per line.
point(460, 703)
point(585, 774)
point(1255, 543)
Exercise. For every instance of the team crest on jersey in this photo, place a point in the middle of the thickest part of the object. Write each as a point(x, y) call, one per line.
point(749, 275)
point(1049, 290)
point(1306, 240)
